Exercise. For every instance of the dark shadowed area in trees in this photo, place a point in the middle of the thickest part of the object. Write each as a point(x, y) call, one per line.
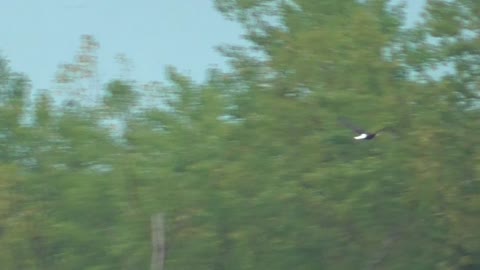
point(251, 169)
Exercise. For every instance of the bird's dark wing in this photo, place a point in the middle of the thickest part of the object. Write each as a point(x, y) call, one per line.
point(345, 122)
point(382, 130)
point(387, 129)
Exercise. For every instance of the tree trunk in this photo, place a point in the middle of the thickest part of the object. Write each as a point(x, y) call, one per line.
point(158, 242)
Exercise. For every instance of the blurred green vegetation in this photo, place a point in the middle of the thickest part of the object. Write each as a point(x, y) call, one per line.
point(250, 167)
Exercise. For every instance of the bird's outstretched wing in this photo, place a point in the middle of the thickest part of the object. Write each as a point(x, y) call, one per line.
point(347, 123)
point(389, 130)
point(382, 130)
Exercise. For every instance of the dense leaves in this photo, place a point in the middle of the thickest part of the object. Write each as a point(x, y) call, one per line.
point(251, 168)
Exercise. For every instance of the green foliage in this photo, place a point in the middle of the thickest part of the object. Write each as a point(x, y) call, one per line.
point(251, 168)
point(120, 96)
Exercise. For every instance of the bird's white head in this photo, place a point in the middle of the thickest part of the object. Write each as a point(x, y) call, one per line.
point(361, 136)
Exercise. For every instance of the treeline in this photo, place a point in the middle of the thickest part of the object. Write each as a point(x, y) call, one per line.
point(250, 167)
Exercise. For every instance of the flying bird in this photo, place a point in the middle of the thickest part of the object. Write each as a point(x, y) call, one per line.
point(361, 133)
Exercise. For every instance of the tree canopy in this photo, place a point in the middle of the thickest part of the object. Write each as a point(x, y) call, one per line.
point(251, 167)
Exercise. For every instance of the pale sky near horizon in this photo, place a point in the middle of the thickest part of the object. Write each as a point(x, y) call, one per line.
point(37, 36)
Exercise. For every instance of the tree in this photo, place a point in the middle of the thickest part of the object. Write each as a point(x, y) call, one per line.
point(318, 65)
point(251, 167)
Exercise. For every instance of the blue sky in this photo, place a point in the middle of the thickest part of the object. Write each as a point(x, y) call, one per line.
point(37, 36)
